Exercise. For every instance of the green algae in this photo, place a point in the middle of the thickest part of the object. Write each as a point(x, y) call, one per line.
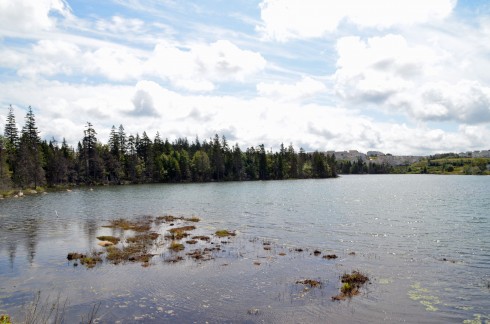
point(420, 294)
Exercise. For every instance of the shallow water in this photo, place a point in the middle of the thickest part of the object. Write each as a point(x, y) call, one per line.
point(422, 240)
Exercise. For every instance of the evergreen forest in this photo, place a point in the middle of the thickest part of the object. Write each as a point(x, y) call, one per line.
point(27, 161)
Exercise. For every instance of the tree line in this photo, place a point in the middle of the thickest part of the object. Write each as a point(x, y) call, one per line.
point(28, 161)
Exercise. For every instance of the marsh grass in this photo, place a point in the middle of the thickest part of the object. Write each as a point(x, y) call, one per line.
point(44, 310)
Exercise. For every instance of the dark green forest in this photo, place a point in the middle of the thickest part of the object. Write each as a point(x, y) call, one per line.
point(27, 161)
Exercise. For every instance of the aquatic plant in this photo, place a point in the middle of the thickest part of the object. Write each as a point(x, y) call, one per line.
point(179, 233)
point(201, 237)
point(351, 283)
point(168, 218)
point(194, 219)
point(5, 319)
point(200, 255)
point(224, 233)
point(143, 238)
point(141, 225)
point(310, 282)
point(91, 261)
point(112, 239)
point(176, 246)
point(347, 289)
point(330, 256)
point(355, 278)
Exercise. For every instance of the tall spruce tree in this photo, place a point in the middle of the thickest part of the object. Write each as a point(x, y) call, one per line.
point(29, 161)
point(5, 182)
point(89, 155)
point(11, 133)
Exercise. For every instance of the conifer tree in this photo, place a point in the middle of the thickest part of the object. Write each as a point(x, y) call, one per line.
point(11, 133)
point(29, 161)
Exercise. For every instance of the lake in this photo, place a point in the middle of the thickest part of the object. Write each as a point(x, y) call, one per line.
point(423, 240)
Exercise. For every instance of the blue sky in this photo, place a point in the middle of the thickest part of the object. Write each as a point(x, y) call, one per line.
point(404, 77)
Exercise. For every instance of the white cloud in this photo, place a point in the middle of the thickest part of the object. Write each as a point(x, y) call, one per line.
point(114, 63)
point(289, 19)
point(387, 73)
point(27, 15)
point(50, 58)
point(305, 88)
point(120, 25)
point(197, 67)
point(375, 69)
point(466, 101)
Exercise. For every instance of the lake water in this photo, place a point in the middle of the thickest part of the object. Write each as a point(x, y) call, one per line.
point(423, 241)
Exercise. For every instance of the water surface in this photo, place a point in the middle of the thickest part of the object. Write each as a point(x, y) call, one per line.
point(423, 241)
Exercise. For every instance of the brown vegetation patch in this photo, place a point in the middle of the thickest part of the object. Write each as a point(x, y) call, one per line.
point(5, 319)
point(310, 282)
point(192, 219)
point(168, 219)
point(191, 241)
point(141, 225)
point(182, 229)
point(132, 253)
point(200, 255)
point(224, 233)
point(112, 239)
point(317, 252)
point(217, 248)
point(351, 283)
point(330, 256)
point(143, 238)
point(75, 256)
point(176, 247)
point(201, 237)
point(174, 259)
point(91, 260)
point(179, 233)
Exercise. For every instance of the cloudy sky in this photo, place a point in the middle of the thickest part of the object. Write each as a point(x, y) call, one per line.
point(404, 76)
